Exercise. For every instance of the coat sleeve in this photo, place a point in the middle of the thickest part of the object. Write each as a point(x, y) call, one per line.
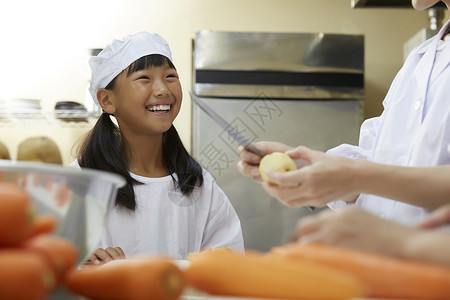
point(367, 140)
point(369, 133)
point(363, 151)
point(223, 228)
point(368, 136)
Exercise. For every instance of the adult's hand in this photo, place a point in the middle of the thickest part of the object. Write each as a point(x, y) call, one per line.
point(249, 163)
point(322, 179)
point(355, 228)
point(437, 218)
point(352, 227)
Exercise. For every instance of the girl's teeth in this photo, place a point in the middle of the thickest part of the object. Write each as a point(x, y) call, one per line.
point(159, 107)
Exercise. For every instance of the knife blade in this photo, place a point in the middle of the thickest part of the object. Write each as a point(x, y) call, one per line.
point(233, 132)
point(240, 138)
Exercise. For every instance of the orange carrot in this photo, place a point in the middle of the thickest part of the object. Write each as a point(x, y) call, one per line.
point(63, 195)
point(386, 277)
point(208, 250)
point(61, 253)
point(24, 275)
point(44, 224)
point(129, 279)
point(255, 275)
point(15, 214)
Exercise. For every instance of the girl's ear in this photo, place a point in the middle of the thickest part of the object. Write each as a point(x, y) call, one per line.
point(104, 99)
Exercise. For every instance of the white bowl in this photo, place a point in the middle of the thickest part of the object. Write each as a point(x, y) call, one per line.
point(80, 199)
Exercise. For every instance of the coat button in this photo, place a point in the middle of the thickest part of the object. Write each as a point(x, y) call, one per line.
point(417, 105)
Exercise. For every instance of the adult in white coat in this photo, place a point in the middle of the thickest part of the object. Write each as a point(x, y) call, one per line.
point(400, 168)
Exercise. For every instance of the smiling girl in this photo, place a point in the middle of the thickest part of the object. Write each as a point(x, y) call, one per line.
point(170, 205)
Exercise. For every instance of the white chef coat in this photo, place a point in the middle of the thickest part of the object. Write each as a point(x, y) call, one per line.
point(414, 128)
point(167, 222)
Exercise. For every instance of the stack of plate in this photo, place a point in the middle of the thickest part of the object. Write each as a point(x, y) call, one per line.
point(3, 109)
point(23, 105)
point(70, 111)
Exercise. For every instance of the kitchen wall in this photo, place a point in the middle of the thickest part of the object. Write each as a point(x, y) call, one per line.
point(43, 53)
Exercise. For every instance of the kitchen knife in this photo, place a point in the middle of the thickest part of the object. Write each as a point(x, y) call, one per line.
point(241, 139)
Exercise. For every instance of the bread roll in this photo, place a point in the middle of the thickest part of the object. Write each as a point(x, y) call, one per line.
point(39, 149)
point(4, 153)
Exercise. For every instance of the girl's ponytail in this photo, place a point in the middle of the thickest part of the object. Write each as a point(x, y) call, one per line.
point(178, 160)
point(102, 150)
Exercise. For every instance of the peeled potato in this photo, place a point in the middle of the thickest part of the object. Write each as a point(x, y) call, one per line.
point(277, 161)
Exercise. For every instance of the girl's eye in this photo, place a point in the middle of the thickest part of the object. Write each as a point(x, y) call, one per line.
point(144, 77)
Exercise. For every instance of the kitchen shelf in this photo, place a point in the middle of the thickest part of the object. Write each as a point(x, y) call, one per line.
point(387, 4)
point(60, 118)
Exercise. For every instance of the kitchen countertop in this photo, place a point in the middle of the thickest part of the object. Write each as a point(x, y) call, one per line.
point(192, 294)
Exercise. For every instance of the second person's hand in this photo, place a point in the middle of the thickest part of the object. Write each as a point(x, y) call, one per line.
point(437, 218)
point(353, 227)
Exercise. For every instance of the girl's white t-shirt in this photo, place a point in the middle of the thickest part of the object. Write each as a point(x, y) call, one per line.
point(167, 222)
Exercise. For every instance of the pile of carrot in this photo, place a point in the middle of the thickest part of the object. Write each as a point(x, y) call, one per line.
point(33, 262)
point(261, 276)
point(385, 277)
point(313, 271)
point(140, 278)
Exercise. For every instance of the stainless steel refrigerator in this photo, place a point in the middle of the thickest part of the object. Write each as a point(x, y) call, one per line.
point(295, 88)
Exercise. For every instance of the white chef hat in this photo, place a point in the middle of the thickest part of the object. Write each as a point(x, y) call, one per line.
point(119, 54)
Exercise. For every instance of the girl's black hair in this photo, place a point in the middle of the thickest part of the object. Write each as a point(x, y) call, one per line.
point(104, 148)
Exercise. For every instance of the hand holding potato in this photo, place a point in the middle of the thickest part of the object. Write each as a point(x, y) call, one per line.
point(321, 179)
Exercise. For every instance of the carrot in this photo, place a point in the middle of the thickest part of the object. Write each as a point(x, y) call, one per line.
point(15, 214)
point(61, 253)
point(24, 275)
point(43, 224)
point(129, 279)
point(386, 277)
point(256, 275)
point(191, 255)
point(62, 196)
